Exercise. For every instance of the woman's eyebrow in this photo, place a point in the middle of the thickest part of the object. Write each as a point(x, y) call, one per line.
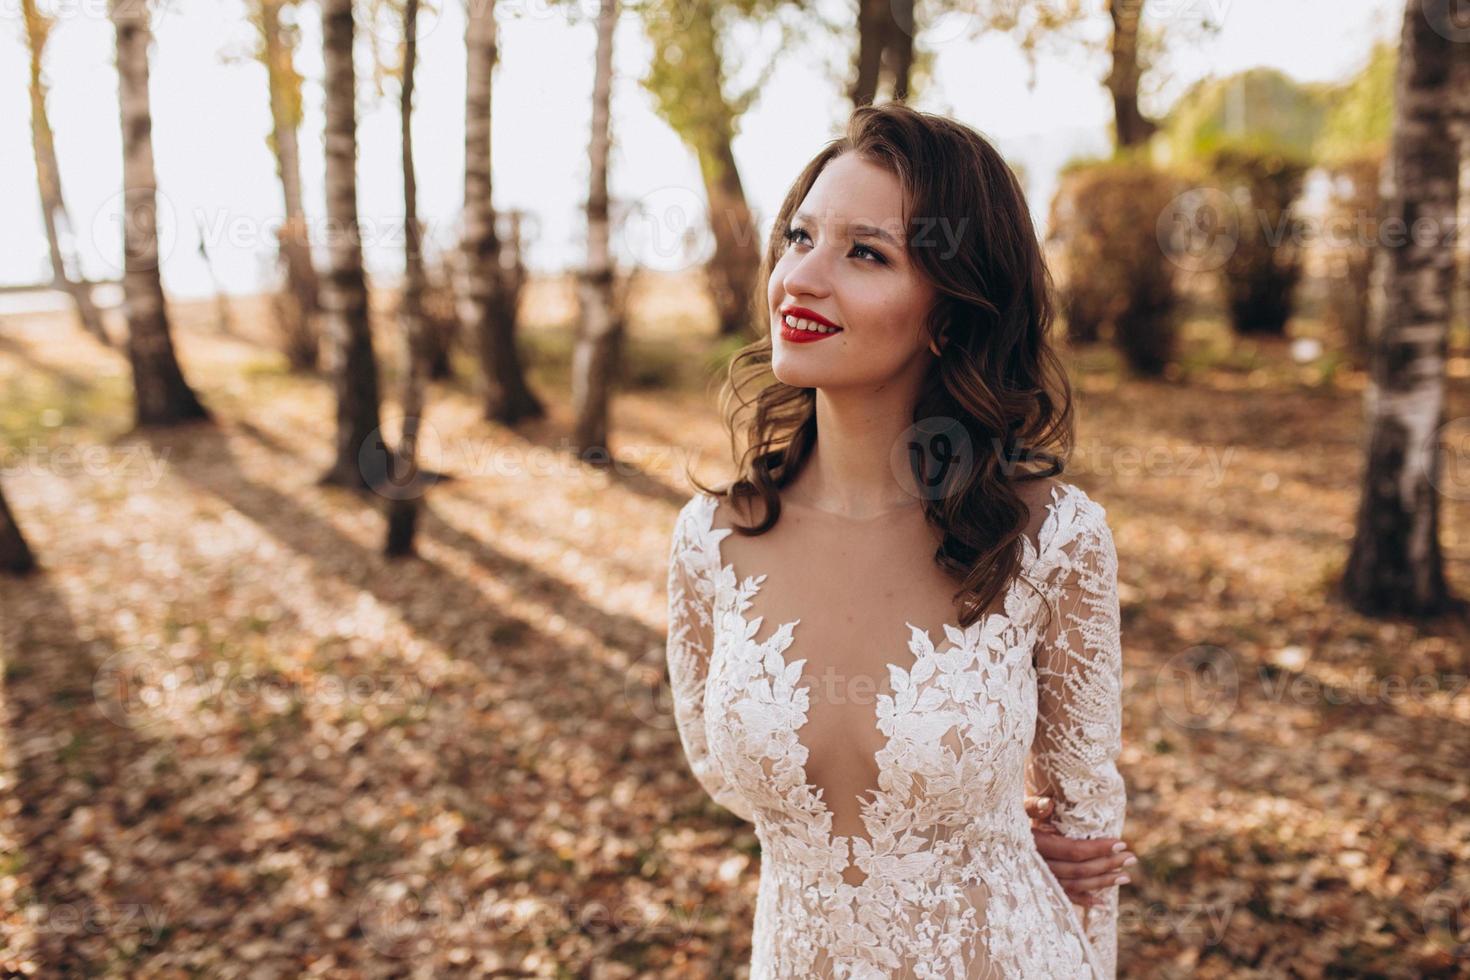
point(859, 229)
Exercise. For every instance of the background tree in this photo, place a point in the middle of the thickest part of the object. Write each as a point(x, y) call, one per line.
point(488, 298)
point(1395, 566)
point(600, 334)
point(162, 396)
point(407, 496)
point(15, 556)
point(687, 78)
point(1130, 126)
point(885, 50)
point(355, 371)
point(66, 269)
point(298, 307)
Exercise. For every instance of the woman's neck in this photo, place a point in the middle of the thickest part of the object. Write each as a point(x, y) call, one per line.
point(852, 471)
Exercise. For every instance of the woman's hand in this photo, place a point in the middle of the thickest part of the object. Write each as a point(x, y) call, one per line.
point(1081, 866)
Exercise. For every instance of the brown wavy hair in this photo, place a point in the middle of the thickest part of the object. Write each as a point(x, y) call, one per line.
point(996, 373)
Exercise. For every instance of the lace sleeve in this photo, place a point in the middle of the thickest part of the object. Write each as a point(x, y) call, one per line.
point(690, 642)
point(1079, 724)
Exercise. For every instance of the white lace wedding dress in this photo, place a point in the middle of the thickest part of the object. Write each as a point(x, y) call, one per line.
point(937, 874)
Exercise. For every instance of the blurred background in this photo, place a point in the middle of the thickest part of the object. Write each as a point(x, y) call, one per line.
point(352, 355)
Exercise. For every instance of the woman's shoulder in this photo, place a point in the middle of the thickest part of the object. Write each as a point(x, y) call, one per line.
point(716, 512)
point(696, 535)
point(1061, 514)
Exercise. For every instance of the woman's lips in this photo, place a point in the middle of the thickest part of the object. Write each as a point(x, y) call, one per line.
point(795, 336)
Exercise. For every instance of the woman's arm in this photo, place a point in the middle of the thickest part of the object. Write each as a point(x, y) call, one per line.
point(1079, 702)
point(690, 642)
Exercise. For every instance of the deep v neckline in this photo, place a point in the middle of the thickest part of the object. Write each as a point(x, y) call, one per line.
point(732, 592)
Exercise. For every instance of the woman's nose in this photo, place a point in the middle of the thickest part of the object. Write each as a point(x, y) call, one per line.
point(809, 276)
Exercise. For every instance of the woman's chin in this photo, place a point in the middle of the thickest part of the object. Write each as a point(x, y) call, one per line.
point(798, 375)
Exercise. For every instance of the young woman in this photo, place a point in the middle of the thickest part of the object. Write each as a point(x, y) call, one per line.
point(895, 621)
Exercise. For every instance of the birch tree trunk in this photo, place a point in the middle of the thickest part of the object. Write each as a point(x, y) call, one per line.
point(599, 341)
point(408, 487)
point(1395, 566)
point(487, 302)
point(66, 269)
point(161, 395)
point(355, 370)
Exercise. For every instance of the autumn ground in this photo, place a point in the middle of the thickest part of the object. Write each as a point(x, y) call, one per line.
point(238, 742)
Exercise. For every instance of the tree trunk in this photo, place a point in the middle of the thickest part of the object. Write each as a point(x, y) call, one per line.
point(487, 306)
point(898, 48)
point(361, 461)
point(162, 396)
point(407, 484)
point(1130, 126)
point(301, 312)
point(599, 341)
point(66, 270)
point(873, 24)
point(733, 269)
point(885, 50)
point(15, 555)
point(1395, 566)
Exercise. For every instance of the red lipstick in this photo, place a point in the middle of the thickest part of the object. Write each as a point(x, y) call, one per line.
point(796, 335)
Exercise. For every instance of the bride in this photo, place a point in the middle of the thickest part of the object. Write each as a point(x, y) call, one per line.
point(896, 621)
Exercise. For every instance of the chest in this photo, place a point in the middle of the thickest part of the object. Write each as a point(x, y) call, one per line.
point(839, 671)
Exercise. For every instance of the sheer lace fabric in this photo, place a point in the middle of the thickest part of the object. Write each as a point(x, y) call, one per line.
point(822, 692)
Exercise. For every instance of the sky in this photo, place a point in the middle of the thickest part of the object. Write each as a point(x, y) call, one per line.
point(217, 179)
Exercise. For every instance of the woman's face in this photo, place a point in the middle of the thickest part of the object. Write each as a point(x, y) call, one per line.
point(861, 279)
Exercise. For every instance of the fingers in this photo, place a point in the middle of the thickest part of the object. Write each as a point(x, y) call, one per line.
point(1068, 871)
point(1055, 847)
point(1096, 882)
point(1083, 867)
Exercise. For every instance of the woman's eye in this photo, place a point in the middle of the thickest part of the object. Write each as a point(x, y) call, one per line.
point(792, 235)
